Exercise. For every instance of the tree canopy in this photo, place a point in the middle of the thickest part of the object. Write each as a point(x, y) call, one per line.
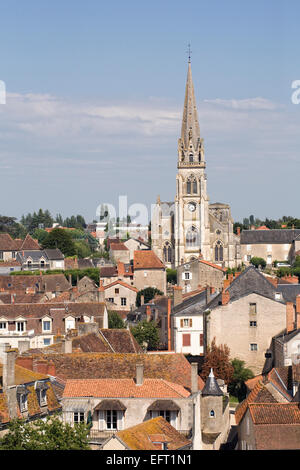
point(217, 358)
point(149, 293)
point(146, 332)
point(115, 321)
point(51, 434)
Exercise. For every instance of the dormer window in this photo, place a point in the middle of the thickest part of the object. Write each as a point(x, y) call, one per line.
point(41, 391)
point(46, 325)
point(22, 393)
point(278, 296)
point(20, 326)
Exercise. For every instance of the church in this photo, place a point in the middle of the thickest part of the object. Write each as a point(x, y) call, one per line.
point(191, 227)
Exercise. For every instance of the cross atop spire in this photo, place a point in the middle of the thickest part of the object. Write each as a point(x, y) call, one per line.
point(189, 52)
point(190, 125)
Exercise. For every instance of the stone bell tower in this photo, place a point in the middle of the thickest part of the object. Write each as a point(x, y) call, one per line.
point(191, 228)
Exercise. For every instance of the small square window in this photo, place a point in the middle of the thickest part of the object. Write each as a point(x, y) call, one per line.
point(79, 417)
point(46, 325)
point(117, 291)
point(47, 341)
point(253, 346)
point(253, 323)
point(253, 308)
point(123, 300)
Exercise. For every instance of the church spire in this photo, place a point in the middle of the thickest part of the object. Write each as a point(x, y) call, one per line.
point(190, 125)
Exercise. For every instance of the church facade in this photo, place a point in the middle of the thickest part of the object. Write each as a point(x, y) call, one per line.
point(191, 227)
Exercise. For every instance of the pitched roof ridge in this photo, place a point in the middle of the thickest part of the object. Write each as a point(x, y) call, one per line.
point(174, 387)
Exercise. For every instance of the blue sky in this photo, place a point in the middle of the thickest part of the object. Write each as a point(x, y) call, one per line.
point(95, 93)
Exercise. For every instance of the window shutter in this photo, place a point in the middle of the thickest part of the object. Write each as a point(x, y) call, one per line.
point(68, 417)
point(120, 420)
point(183, 276)
point(181, 323)
point(191, 322)
point(201, 339)
point(101, 420)
point(173, 418)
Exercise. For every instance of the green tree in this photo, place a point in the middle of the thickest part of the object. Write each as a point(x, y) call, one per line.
point(171, 276)
point(51, 434)
point(256, 261)
point(115, 321)
point(146, 332)
point(148, 293)
point(241, 374)
point(59, 238)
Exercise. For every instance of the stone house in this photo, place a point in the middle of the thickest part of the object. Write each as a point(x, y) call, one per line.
point(121, 294)
point(134, 244)
point(271, 245)
point(9, 247)
point(32, 260)
point(24, 394)
point(40, 323)
point(200, 273)
point(187, 327)
point(119, 252)
point(149, 271)
point(116, 404)
point(269, 417)
point(254, 310)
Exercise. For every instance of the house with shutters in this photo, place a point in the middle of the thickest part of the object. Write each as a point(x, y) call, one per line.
point(187, 326)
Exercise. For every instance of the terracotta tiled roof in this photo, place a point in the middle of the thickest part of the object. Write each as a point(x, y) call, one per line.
point(275, 413)
point(262, 227)
point(121, 340)
point(187, 295)
point(123, 388)
point(108, 271)
point(118, 247)
point(12, 262)
point(17, 283)
point(124, 284)
point(142, 436)
point(259, 394)
point(30, 244)
point(170, 367)
point(7, 243)
point(212, 265)
point(146, 259)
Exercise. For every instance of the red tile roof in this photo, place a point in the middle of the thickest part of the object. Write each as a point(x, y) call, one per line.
point(275, 413)
point(124, 284)
point(118, 246)
point(146, 259)
point(212, 265)
point(143, 436)
point(123, 388)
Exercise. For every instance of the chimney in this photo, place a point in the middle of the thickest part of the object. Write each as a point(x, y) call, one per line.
point(290, 316)
point(67, 346)
point(194, 377)
point(177, 295)
point(41, 366)
point(101, 292)
point(142, 300)
point(51, 369)
point(225, 297)
point(148, 313)
point(298, 312)
point(212, 290)
point(139, 374)
point(8, 357)
point(238, 231)
point(226, 283)
point(23, 346)
point(230, 278)
point(207, 294)
point(25, 361)
point(169, 323)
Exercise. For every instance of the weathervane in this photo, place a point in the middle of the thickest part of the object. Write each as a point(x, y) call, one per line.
point(189, 52)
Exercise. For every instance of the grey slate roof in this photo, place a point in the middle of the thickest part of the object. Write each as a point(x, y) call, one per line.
point(289, 291)
point(191, 306)
point(251, 237)
point(211, 386)
point(248, 282)
point(54, 254)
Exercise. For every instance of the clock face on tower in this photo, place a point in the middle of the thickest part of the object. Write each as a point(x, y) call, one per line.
point(191, 206)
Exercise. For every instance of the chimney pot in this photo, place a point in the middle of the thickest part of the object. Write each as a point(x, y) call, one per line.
point(194, 377)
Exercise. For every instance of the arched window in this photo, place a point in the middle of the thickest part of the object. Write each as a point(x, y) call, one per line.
point(167, 252)
point(191, 185)
point(211, 414)
point(192, 237)
point(218, 251)
point(191, 158)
